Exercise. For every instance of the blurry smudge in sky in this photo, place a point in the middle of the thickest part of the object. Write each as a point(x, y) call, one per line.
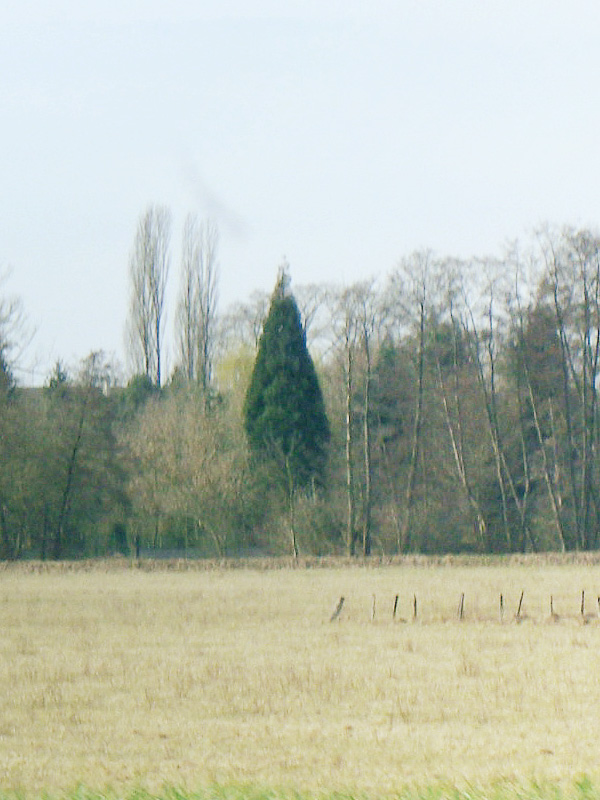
point(211, 204)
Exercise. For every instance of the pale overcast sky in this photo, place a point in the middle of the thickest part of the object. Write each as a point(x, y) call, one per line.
point(340, 135)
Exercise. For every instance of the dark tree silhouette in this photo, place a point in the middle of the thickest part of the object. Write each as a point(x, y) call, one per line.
point(284, 413)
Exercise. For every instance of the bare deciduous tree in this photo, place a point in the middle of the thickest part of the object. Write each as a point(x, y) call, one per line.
point(148, 271)
point(243, 322)
point(207, 296)
point(452, 396)
point(370, 316)
point(410, 287)
point(312, 301)
point(190, 464)
point(15, 332)
point(198, 294)
point(186, 320)
point(343, 309)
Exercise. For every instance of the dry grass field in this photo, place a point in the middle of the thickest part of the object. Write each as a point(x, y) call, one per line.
point(122, 677)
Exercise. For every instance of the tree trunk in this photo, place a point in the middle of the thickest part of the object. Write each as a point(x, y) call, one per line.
point(367, 450)
point(217, 542)
point(404, 542)
point(394, 503)
point(522, 505)
point(489, 397)
point(550, 484)
point(63, 513)
point(456, 440)
point(291, 507)
point(565, 361)
point(157, 344)
point(45, 527)
point(6, 545)
point(351, 503)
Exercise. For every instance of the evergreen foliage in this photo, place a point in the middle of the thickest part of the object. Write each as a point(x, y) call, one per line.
point(284, 412)
point(7, 381)
point(504, 457)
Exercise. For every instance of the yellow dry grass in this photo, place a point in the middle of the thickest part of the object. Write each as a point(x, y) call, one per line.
point(124, 677)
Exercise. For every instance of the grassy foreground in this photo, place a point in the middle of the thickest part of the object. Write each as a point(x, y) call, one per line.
point(583, 789)
point(234, 679)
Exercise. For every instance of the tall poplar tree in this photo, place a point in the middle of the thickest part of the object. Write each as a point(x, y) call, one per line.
point(148, 272)
point(284, 413)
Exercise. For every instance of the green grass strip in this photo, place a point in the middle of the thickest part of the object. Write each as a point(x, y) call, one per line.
point(581, 789)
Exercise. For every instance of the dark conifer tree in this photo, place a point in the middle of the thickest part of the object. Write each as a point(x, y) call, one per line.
point(284, 413)
point(7, 381)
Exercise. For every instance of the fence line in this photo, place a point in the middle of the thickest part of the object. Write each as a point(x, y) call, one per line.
point(462, 614)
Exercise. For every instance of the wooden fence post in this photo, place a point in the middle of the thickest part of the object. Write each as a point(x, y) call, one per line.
point(518, 615)
point(337, 610)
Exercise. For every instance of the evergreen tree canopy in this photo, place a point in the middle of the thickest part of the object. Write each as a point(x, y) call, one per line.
point(284, 413)
point(7, 381)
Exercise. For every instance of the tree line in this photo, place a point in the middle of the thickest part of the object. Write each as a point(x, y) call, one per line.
point(449, 406)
